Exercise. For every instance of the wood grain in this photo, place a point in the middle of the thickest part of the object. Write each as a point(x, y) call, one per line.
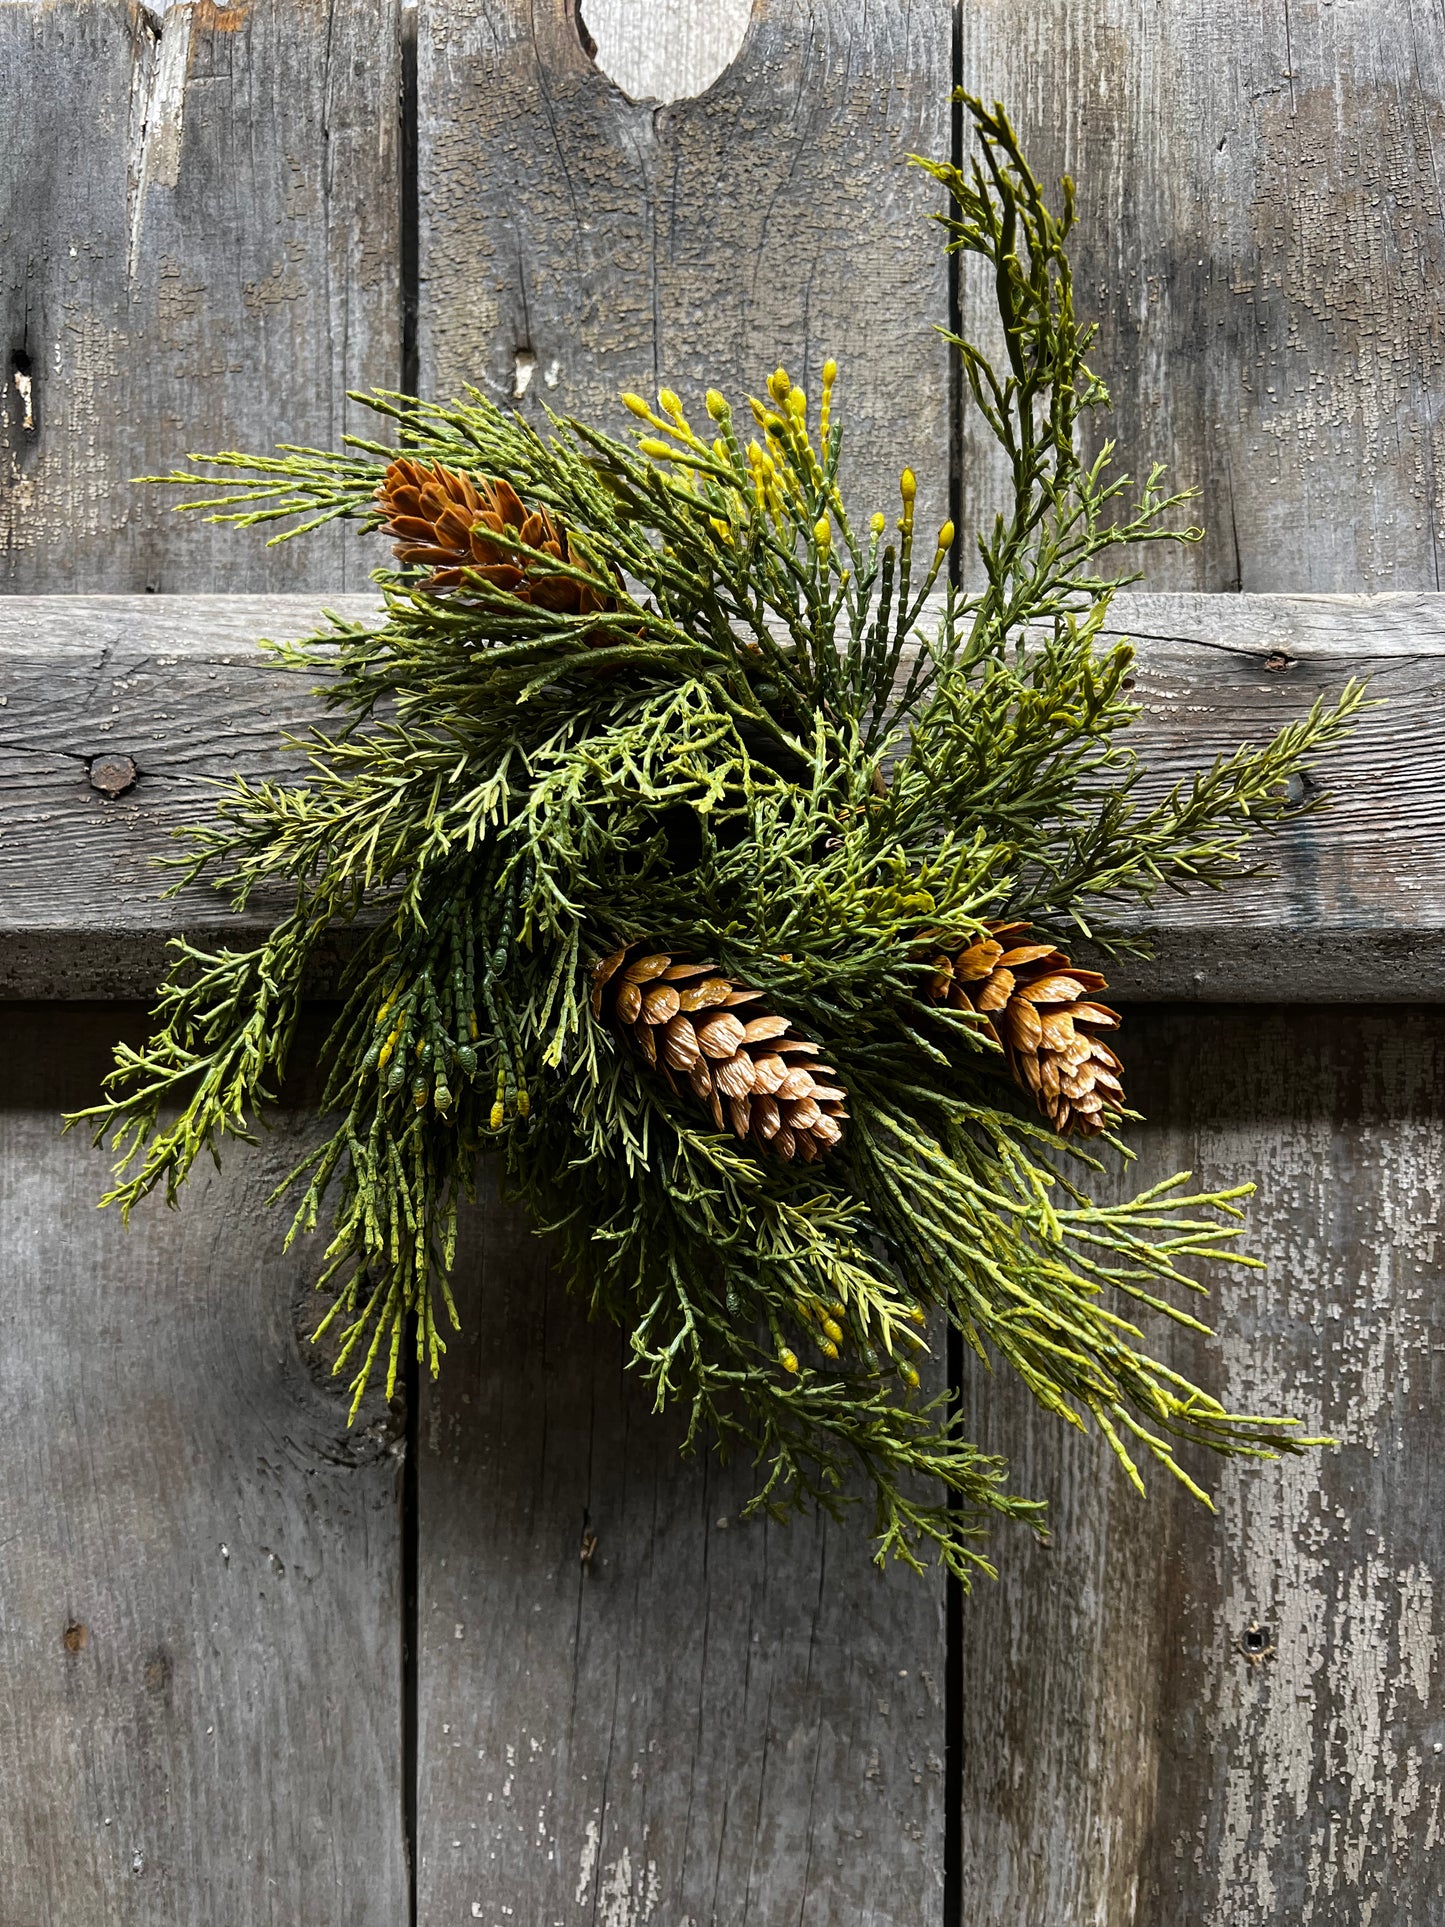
point(575, 243)
point(709, 1720)
point(200, 1620)
point(200, 1668)
point(711, 1726)
point(1353, 911)
point(1261, 240)
point(199, 249)
point(1127, 1756)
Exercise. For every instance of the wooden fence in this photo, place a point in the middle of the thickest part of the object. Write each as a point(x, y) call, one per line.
point(257, 1668)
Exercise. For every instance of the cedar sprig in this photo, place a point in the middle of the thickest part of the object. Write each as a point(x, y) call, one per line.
point(784, 740)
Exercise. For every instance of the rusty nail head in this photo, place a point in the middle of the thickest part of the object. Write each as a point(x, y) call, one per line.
point(112, 775)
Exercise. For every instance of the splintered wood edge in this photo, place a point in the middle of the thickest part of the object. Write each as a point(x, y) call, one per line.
point(1356, 912)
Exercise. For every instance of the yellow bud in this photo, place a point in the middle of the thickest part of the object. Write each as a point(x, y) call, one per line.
point(822, 534)
point(833, 1330)
point(798, 403)
point(787, 1359)
point(717, 405)
point(659, 451)
point(825, 413)
point(638, 406)
point(498, 1115)
point(668, 401)
point(524, 1104)
point(917, 1314)
point(827, 1348)
point(909, 1377)
point(875, 523)
point(945, 537)
point(908, 487)
point(778, 384)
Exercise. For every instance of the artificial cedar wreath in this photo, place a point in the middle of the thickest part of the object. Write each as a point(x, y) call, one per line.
point(716, 859)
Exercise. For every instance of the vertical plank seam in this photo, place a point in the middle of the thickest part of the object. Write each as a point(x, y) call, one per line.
point(953, 1588)
point(410, 1630)
point(409, 220)
point(410, 212)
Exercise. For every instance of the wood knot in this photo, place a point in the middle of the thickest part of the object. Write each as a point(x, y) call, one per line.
point(75, 1637)
point(112, 775)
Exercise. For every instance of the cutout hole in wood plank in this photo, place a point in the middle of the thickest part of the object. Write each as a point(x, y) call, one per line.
point(663, 50)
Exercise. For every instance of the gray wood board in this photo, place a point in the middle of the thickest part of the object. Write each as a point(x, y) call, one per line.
point(1127, 1756)
point(199, 249)
point(200, 1613)
point(1262, 239)
point(710, 1720)
point(1353, 912)
point(711, 1725)
point(575, 243)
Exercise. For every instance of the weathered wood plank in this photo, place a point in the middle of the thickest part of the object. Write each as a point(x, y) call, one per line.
point(575, 243)
point(1128, 1756)
point(1353, 912)
point(200, 1621)
point(709, 1720)
point(200, 1662)
point(731, 1697)
point(199, 249)
point(1261, 238)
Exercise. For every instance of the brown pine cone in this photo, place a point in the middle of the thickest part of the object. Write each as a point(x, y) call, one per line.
point(458, 526)
point(1040, 1007)
point(684, 1019)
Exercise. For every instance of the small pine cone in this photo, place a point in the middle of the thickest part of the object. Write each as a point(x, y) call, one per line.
point(1041, 1008)
point(456, 526)
point(689, 1022)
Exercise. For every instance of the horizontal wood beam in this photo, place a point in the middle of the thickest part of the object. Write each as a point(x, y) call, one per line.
point(173, 686)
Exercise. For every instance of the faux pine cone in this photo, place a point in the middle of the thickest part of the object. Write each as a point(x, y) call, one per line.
point(687, 1021)
point(1041, 1008)
point(457, 526)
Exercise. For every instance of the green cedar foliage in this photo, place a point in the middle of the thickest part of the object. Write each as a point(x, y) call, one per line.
point(762, 750)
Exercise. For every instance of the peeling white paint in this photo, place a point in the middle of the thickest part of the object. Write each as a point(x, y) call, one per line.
point(1315, 1744)
point(588, 1864)
point(620, 1903)
point(157, 117)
